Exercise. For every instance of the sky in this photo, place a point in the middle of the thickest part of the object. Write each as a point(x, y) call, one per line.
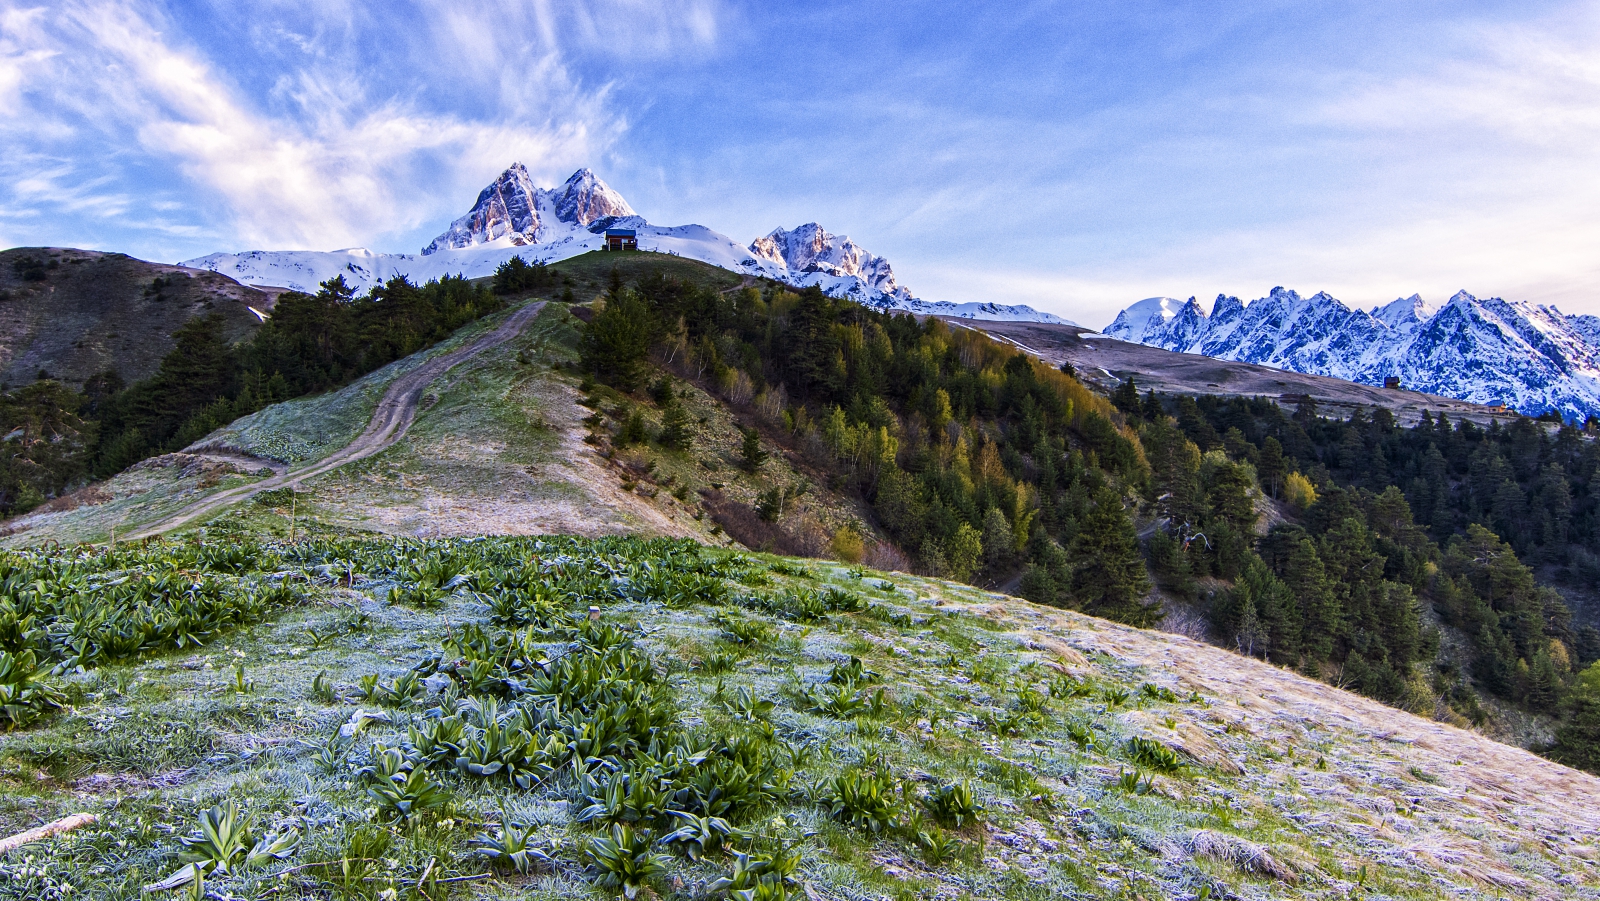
point(1072, 156)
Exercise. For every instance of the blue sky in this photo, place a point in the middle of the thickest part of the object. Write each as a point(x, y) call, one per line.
point(1073, 156)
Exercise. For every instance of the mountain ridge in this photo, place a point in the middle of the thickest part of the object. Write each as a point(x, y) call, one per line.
point(513, 217)
point(1528, 357)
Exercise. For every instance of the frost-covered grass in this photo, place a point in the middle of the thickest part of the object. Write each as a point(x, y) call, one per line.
point(1021, 752)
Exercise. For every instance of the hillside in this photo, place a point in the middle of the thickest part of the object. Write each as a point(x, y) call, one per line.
point(81, 312)
point(868, 735)
point(404, 690)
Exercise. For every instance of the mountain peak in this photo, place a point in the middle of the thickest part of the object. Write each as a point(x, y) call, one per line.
point(1482, 350)
point(514, 210)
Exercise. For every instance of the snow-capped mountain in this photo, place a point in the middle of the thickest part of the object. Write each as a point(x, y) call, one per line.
point(516, 209)
point(513, 217)
point(1530, 357)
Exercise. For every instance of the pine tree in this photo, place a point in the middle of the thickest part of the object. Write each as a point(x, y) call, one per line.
point(1578, 739)
point(1321, 616)
point(1270, 467)
point(675, 428)
point(751, 454)
point(1126, 397)
point(1108, 576)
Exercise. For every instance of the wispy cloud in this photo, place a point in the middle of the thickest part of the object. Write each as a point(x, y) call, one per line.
point(376, 123)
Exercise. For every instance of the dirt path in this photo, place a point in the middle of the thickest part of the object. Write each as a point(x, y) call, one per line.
point(394, 415)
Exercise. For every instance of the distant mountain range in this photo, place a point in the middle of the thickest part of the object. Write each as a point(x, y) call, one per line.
point(514, 217)
point(1531, 358)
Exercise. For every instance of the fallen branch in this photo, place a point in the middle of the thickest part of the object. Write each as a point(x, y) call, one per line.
point(65, 824)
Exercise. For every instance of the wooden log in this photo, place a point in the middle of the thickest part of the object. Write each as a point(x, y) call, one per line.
point(65, 824)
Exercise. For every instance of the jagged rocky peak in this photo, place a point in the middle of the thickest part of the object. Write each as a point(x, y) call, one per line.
point(515, 208)
point(585, 198)
point(812, 248)
point(1487, 350)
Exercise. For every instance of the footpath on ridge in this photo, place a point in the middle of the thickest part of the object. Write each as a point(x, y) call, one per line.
point(394, 415)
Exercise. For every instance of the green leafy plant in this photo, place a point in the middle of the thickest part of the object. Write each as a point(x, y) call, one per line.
point(718, 662)
point(937, 846)
point(1066, 686)
point(745, 631)
point(242, 684)
point(698, 835)
point(509, 847)
point(626, 860)
point(863, 799)
point(1134, 782)
point(24, 696)
point(227, 842)
point(761, 878)
point(1152, 754)
point(953, 804)
point(322, 688)
point(1082, 734)
point(402, 790)
point(746, 706)
point(1114, 696)
point(1152, 692)
point(838, 701)
point(851, 673)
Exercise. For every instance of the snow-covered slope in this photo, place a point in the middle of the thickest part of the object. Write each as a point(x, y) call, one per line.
point(514, 217)
point(1530, 357)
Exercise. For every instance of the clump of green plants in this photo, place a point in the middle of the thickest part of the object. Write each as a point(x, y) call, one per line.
point(510, 847)
point(773, 877)
point(24, 694)
point(953, 804)
point(1152, 754)
point(626, 860)
point(717, 663)
point(401, 788)
point(865, 799)
point(743, 631)
point(227, 841)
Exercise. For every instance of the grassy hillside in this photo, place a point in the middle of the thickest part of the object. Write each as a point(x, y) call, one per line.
point(75, 313)
point(851, 734)
point(593, 269)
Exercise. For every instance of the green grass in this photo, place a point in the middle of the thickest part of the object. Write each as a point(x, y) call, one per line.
point(152, 741)
point(593, 270)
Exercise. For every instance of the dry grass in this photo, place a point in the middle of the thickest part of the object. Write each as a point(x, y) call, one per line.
point(1447, 800)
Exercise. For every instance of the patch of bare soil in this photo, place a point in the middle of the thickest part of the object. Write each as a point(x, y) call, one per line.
point(89, 496)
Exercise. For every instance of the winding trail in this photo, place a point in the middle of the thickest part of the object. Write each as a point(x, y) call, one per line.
point(394, 415)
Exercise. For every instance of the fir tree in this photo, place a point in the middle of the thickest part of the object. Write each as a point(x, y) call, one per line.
point(1108, 576)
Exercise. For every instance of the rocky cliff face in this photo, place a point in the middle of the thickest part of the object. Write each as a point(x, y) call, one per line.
point(811, 248)
point(1530, 357)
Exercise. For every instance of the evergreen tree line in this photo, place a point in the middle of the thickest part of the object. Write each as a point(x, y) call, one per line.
point(983, 463)
point(988, 466)
point(1345, 588)
point(55, 437)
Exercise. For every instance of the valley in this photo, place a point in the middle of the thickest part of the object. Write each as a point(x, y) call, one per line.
point(1107, 362)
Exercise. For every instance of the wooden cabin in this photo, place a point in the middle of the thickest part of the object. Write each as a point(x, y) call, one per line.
point(622, 239)
point(1392, 382)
